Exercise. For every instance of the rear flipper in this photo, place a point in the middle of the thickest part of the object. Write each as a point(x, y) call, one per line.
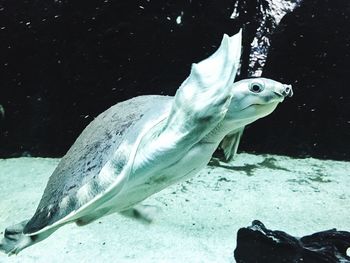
point(87, 219)
point(143, 213)
point(15, 241)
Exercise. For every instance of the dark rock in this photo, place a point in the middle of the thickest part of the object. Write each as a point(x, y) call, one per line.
point(259, 244)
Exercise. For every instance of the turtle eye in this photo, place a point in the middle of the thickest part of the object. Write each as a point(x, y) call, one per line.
point(256, 87)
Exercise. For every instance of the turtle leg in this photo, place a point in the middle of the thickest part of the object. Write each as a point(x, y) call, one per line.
point(87, 219)
point(143, 213)
point(15, 241)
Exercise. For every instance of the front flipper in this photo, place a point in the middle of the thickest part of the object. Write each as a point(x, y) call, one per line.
point(202, 100)
point(199, 105)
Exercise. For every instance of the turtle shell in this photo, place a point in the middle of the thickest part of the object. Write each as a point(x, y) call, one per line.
point(95, 146)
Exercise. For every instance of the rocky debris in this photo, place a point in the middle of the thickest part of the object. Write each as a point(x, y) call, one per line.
point(258, 244)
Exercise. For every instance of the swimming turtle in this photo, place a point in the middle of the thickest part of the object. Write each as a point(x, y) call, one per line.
point(140, 146)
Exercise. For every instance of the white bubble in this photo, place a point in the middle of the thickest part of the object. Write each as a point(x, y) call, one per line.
point(178, 20)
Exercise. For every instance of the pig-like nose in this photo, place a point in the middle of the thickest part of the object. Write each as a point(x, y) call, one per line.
point(288, 91)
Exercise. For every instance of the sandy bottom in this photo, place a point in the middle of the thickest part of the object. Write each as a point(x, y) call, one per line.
point(198, 219)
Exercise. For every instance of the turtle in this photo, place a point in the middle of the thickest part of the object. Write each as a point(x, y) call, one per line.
point(140, 146)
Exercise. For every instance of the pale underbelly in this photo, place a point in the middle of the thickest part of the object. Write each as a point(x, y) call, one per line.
point(144, 185)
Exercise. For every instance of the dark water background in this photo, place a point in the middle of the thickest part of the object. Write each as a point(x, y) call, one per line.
point(64, 62)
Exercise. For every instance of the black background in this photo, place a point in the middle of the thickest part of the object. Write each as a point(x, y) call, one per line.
point(64, 62)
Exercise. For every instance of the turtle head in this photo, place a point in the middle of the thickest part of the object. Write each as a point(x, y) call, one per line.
point(256, 98)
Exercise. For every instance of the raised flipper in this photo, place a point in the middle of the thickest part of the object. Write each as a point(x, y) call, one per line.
point(202, 100)
point(200, 103)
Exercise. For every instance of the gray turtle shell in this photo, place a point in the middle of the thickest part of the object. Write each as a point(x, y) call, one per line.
point(91, 151)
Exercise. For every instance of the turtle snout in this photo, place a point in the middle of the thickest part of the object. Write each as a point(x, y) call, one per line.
point(287, 91)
